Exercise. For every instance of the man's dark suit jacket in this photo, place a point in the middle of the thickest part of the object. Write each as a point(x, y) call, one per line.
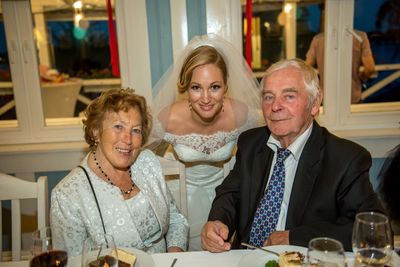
point(331, 186)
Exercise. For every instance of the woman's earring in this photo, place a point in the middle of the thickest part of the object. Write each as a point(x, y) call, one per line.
point(223, 105)
point(96, 141)
point(190, 105)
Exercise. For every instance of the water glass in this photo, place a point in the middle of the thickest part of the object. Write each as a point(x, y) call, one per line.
point(372, 239)
point(43, 253)
point(327, 252)
point(99, 251)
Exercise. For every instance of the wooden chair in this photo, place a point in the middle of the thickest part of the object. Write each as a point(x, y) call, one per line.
point(175, 167)
point(396, 241)
point(228, 166)
point(59, 99)
point(172, 166)
point(16, 189)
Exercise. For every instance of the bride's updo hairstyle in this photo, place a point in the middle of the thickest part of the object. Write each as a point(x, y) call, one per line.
point(200, 56)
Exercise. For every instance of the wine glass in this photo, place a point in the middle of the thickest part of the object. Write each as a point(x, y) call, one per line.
point(99, 250)
point(43, 253)
point(327, 252)
point(372, 239)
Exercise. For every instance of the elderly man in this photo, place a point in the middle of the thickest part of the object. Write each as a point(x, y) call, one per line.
point(293, 180)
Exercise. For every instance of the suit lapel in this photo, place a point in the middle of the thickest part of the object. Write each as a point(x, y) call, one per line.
point(306, 174)
point(259, 176)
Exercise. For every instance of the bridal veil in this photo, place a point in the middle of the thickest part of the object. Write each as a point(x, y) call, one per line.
point(242, 86)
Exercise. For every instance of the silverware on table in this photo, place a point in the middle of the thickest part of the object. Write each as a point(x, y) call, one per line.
point(173, 262)
point(260, 248)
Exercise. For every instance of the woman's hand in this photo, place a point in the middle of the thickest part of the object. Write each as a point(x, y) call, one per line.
point(174, 249)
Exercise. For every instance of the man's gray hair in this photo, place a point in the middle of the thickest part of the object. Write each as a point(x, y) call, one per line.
point(310, 76)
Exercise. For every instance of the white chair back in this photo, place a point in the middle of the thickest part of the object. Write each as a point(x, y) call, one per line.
point(228, 166)
point(16, 189)
point(175, 167)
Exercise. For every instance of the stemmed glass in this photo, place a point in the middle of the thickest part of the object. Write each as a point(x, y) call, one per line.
point(372, 239)
point(43, 253)
point(327, 252)
point(99, 251)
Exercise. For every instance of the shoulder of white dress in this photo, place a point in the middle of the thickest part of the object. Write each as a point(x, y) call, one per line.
point(148, 163)
point(147, 153)
point(73, 179)
point(147, 156)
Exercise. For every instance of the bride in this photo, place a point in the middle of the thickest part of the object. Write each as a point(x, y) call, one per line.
point(202, 104)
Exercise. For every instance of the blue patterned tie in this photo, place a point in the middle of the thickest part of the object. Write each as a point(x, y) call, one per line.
point(267, 213)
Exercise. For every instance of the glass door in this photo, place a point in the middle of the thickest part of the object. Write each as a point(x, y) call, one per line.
point(74, 59)
point(8, 115)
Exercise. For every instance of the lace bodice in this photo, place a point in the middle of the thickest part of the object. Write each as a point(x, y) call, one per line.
point(205, 144)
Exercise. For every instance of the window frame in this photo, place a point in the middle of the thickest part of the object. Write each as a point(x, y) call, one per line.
point(378, 131)
point(30, 126)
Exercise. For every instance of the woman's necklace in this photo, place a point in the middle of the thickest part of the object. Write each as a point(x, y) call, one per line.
point(108, 178)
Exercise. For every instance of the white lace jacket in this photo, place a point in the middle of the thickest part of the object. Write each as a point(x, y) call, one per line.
point(74, 215)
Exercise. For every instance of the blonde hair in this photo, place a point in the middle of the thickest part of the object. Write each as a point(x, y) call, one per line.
point(115, 100)
point(200, 56)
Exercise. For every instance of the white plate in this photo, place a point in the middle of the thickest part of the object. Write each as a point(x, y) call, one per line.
point(142, 259)
point(258, 258)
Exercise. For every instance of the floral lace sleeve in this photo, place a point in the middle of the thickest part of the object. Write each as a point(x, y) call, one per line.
point(178, 232)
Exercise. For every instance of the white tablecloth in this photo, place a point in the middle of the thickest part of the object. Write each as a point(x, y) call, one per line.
point(185, 259)
point(200, 259)
point(195, 259)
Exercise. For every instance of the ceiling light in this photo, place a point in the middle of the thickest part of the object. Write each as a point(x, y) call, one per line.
point(77, 4)
point(288, 8)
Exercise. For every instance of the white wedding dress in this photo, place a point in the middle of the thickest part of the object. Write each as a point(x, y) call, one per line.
point(204, 157)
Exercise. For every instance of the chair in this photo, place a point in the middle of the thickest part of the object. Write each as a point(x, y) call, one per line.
point(172, 166)
point(175, 167)
point(16, 189)
point(228, 166)
point(59, 99)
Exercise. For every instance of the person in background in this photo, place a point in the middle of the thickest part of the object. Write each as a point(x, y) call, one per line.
point(362, 56)
point(134, 203)
point(293, 180)
point(389, 185)
point(203, 102)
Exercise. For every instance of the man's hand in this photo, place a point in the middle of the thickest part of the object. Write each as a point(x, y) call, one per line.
point(214, 235)
point(277, 238)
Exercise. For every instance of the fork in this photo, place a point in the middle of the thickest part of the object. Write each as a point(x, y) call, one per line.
point(173, 262)
point(260, 248)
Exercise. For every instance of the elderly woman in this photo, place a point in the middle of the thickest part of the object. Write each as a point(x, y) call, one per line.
point(119, 187)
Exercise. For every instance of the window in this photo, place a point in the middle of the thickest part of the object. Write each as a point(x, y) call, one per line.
point(285, 30)
point(380, 19)
point(61, 63)
point(74, 42)
point(7, 102)
point(374, 125)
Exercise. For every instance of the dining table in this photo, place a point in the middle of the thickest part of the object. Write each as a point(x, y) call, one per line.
point(188, 259)
point(232, 258)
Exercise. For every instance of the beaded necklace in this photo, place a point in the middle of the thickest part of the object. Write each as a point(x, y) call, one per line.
point(108, 178)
